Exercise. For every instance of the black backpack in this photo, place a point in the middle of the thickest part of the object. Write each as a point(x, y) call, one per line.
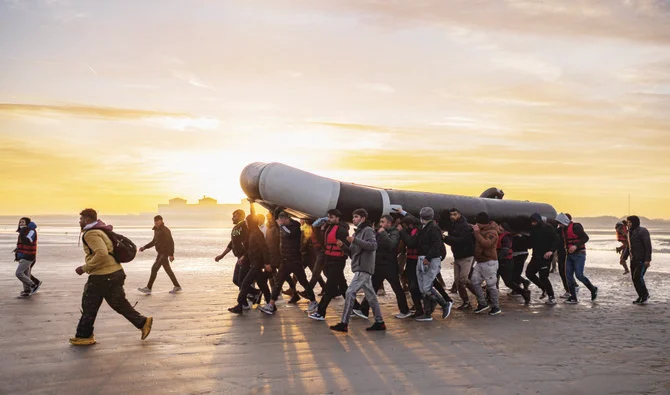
point(124, 250)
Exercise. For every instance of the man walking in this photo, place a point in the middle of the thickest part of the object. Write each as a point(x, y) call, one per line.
point(362, 249)
point(165, 249)
point(640, 257)
point(461, 239)
point(543, 242)
point(105, 281)
point(575, 245)
point(26, 254)
point(486, 266)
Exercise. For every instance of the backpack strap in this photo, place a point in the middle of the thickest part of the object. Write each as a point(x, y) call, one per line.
point(83, 239)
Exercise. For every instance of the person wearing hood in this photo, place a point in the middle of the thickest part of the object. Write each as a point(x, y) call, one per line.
point(361, 247)
point(461, 239)
point(486, 266)
point(639, 243)
point(165, 249)
point(258, 255)
point(543, 240)
point(105, 281)
point(506, 262)
point(575, 239)
point(429, 264)
point(621, 230)
point(26, 255)
point(386, 267)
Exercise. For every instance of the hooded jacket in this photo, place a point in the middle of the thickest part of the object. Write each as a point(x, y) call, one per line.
point(486, 241)
point(640, 242)
point(543, 238)
point(162, 241)
point(272, 241)
point(26, 244)
point(430, 241)
point(290, 236)
point(98, 249)
point(258, 253)
point(362, 249)
point(461, 239)
point(387, 247)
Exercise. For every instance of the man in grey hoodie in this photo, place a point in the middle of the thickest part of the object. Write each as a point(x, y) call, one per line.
point(362, 248)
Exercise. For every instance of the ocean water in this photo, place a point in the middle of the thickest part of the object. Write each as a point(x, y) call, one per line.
point(196, 247)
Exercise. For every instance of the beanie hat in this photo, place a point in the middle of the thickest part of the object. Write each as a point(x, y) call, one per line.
point(536, 217)
point(426, 213)
point(563, 219)
point(482, 218)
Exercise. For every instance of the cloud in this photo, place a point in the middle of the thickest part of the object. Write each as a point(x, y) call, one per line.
point(377, 87)
point(191, 79)
point(184, 123)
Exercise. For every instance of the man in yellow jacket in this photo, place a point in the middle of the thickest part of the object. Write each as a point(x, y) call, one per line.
point(105, 281)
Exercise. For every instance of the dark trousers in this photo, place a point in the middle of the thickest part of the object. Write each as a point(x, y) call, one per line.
point(413, 284)
point(541, 266)
point(336, 284)
point(33, 278)
point(317, 269)
point(164, 262)
point(254, 274)
point(519, 263)
point(390, 274)
point(562, 271)
point(637, 271)
point(240, 271)
point(506, 271)
point(110, 288)
point(287, 268)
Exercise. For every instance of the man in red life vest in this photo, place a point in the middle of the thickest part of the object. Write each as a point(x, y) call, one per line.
point(26, 254)
point(575, 245)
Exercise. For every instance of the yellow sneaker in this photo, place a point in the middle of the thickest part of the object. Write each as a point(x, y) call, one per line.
point(82, 341)
point(146, 329)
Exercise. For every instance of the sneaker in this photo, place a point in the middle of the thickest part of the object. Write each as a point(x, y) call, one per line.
point(544, 295)
point(175, 290)
point(526, 297)
point(464, 306)
point(312, 306)
point(246, 307)
point(412, 309)
point(637, 301)
point(294, 299)
point(446, 309)
point(594, 293)
point(267, 309)
point(423, 318)
point(82, 341)
point(24, 294)
point(377, 326)
point(236, 310)
point(565, 295)
point(481, 308)
point(550, 301)
point(402, 316)
point(644, 300)
point(146, 329)
point(340, 327)
point(360, 314)
point(145, 290)
point(495, 311)
point(36, 288)
point(571, 301)
point(316, 316)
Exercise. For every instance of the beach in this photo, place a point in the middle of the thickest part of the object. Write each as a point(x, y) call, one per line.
point(197, 347)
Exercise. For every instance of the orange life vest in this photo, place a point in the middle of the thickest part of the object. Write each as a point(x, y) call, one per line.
point(331, 243)
point(27, 248)
point(571, 238)
point(499, 246)
point(622, 238)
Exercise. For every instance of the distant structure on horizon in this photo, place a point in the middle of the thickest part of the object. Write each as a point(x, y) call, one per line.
point(206, 207)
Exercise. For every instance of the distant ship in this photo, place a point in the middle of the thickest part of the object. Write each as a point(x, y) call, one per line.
point(207, 209)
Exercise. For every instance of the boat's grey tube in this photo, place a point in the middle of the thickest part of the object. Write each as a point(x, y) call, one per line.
point(308, 195)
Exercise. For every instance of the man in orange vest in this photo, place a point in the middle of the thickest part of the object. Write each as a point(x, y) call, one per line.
point(622, 237)
point(26, 254)
point(575, 239)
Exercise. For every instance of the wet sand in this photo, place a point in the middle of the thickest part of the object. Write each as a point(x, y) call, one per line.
point(197, 347)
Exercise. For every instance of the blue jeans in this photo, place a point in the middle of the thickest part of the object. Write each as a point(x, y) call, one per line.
point(574, 267)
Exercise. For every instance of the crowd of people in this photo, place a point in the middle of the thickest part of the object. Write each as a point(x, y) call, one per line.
point(404, 250)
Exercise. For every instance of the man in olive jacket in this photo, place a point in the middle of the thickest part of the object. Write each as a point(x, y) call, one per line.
point(105, 281)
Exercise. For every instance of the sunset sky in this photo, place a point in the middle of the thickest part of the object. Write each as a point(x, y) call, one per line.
point(121, 105)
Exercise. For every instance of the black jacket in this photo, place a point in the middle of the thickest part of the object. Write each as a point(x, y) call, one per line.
point(162, 241)
point(387, 247)
point(272, 240)
point(461, 239)
point(239, 237)
point(542, 239)
point(289, 237)
point(640, 244)
point(430, 241)
point(258, 253)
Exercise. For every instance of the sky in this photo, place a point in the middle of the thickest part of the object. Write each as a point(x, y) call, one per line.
point(123, 105)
